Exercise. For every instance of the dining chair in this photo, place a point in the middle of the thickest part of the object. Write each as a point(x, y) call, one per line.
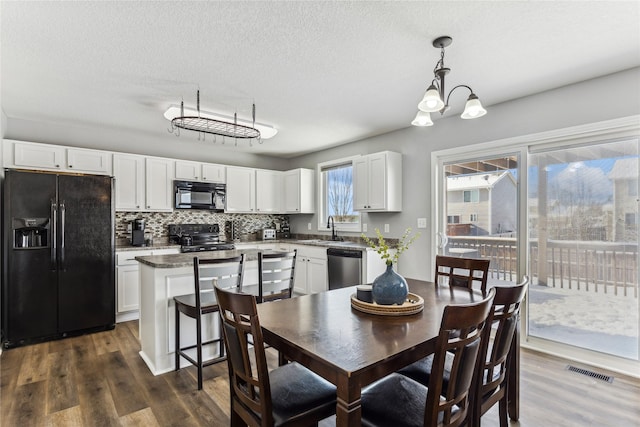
point(493, 362)
point(491, 380)
point(397, 400)
point(208, 274)
point(465, 272)
point(289, 395)
point(276, 275)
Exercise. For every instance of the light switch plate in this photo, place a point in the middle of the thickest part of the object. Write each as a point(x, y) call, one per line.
point(386, 228)
point(308, 226)
point(422, 222)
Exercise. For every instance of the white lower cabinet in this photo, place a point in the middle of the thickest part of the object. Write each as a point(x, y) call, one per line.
point(128, 281)
point(311, 270)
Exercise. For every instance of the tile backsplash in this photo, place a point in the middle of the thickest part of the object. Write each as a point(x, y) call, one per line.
point(157, 222)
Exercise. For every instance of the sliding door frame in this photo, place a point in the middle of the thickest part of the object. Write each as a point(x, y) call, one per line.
point(626, 127)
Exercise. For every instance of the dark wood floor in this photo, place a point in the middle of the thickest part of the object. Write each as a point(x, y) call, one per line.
point(99, 380)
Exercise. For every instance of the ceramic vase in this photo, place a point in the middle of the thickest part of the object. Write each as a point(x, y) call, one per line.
point(389, 288)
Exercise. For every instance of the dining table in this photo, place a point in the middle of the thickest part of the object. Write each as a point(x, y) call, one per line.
point(351, 348)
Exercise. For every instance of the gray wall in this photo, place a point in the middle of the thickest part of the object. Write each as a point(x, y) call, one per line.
point(591, 101)
point(608, 97)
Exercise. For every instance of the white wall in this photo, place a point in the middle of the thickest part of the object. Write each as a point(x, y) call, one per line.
point(600, 99)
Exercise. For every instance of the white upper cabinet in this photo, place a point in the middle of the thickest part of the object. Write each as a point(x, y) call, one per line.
point(54, 157)
point(129, 173)
point(91, 161)
point(188, 171)
point(299, 191)
point(159, 184)
point(241, 189)
point(268, 191)
point(378, 182)
point(212, 172)
point(196, 171)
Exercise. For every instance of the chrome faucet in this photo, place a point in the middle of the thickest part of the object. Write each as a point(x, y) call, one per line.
point(330, 220)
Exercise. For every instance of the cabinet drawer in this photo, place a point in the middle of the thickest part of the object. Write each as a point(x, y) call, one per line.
point(129, 257)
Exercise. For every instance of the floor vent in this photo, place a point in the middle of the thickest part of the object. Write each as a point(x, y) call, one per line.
point(591, 374)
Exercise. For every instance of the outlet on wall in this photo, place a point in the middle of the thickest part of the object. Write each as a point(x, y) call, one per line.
point(308, 226)
point(386, 228)
point(364, 228)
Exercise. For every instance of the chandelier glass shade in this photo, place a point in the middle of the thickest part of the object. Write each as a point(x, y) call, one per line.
point(434, 98)
point(422, 119)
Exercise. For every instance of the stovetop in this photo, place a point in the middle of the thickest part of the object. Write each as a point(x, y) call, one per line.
point(207, 247)
point(198, 237)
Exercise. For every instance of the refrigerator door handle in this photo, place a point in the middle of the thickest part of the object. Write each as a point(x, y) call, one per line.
point(54, 239)
point(62, 221)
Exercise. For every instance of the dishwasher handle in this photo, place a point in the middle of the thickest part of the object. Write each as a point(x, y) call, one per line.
point(345, 253)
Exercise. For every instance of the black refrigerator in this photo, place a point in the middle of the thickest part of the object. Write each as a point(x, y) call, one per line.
point(58, 256)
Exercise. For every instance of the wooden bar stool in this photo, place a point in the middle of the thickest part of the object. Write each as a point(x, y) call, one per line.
point(208, 274)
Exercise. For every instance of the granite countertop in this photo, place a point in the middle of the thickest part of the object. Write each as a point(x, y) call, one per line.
point(128, 247)
point(186, 259)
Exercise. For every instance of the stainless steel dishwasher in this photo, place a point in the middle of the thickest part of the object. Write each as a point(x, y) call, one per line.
point(345, 267)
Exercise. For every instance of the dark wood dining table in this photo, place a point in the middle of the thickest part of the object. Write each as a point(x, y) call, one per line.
point(352, 349)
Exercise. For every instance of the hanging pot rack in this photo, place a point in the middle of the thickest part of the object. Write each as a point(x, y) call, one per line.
point(214, 126)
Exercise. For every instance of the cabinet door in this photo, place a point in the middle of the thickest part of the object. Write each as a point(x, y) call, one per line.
point(159, 191)
point(128, 171)
point(376, 181)
point(317, 276)
point(38, 156)
point(360, 185)
point(291, 191)
point(128, 288)
point(268, 191)
point(188, 170)
point(300, 275)
point(214, 173)
point(241, 190)
point(92, 161)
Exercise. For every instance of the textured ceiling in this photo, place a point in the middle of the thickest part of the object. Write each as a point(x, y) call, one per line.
point(323, 73)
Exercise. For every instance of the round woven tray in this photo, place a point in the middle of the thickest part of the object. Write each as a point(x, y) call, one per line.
point(414, 304)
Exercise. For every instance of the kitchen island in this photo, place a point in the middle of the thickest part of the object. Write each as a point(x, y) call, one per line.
point(163, 277)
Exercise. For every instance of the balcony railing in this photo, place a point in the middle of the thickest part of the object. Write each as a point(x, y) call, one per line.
point(581, 265)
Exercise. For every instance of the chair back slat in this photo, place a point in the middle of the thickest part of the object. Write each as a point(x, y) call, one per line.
point(464, 272)
point(222, 272)
point(461, 332)
point(276, 272)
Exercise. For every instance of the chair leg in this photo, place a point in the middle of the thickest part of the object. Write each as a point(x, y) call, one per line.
point(177, 335)
point(199, 348)
point(221, 340)
point(503, 411)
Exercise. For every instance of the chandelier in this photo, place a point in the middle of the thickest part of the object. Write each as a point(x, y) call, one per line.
point(217, 125)
point(434, 99)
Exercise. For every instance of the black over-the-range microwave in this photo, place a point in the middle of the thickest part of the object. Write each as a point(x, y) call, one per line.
point(200, 195)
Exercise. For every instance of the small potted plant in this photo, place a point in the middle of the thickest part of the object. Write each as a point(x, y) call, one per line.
point(390, 287)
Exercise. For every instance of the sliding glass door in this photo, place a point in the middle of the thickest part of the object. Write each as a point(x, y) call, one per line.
point(565, 213)
point(480, 215)
point(583, 234)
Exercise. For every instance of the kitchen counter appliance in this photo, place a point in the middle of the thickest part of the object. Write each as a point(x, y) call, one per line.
point(198, 237)
point(345, 267)
point(58, 256)
point(200, 195)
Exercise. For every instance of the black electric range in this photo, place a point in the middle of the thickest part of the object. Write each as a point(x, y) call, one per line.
point(198, 237)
